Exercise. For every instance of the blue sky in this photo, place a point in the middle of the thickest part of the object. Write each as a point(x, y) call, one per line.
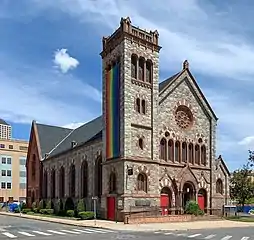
point(51, 69)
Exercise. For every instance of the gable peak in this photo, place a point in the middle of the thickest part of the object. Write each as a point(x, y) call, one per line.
point(185, 64)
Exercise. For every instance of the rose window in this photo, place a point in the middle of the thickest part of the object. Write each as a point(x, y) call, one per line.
point(183, 117)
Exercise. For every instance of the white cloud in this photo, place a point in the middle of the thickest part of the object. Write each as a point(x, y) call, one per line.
point(64, 61)
point(247, 142)
point(73, 125)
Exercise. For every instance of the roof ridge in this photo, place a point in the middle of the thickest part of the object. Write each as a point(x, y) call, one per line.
point(54, 148)
point(53, 126)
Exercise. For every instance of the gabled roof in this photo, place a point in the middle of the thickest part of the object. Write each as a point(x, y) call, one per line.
point(3, 122)
point(164, 83)
point(220, 160)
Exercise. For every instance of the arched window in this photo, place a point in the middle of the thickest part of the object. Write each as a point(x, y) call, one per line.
point(177, 151)
point(163, 149)
point(61, 182)
point(143, 104)
point(171, 150)
point(72, 179)
point(53, 183)
point(33, 167)
point(149, 71)
point(142, 182)
point(45, 185)
point(138, 107)
point(197, 154)
point(141, 72)
point(98, 177)
point(203, 155)
point(134, 61)
point(112, 183)
point(141, 143)
point(184, 152)
point(191, 159)
point(219, 186)
point(84, 179)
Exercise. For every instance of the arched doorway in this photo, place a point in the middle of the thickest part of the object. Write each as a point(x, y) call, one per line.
point(188, 193)
point(166, 199)
point(202, 199)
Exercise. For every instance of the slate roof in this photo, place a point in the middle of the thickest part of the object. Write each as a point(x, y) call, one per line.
point(3, 122)
point(55, 140)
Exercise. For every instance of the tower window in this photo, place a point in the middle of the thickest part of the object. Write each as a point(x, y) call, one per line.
point(141, 73)
point(134, 61)
point(138, 105)
point(141, 143)
point(149, 71)
point(143, 104)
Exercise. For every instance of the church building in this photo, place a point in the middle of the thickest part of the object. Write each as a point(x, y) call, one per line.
point(154, 147)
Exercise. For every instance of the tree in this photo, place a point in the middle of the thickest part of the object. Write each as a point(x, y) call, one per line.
point(251, 158)
point(241, 187)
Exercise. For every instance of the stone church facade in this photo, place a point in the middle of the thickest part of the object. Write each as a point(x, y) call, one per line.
point(154, 147)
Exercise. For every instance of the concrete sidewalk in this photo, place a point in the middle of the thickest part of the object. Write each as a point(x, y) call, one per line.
point(119, 226)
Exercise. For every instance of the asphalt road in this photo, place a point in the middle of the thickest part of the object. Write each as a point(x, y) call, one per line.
point(13, 227)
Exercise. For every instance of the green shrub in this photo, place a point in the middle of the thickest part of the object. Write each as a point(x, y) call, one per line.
point(49, 205)
point(58, 207)
point(35, 210)
point(41, 204)
point(81, 206)
point(23, 205)
point(30, 213)
point(16, 210)
point(26, 210)
point(70, 213)
point(193, 208)
point(43, 211)
point(86, 215)
point(69, 204)
point(49, 211)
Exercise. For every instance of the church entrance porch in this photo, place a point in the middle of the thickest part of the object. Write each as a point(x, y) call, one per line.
point(165, 201)
point(202, 199)
point(188, 193)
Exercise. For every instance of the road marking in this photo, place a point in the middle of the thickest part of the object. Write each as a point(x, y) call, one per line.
point(210, 236)
point(181, 234)
point(68, 231)
point(226, 238)
point(156, 232)
point(194, 235)
point(56, 232)
point(106, 230)
point(245, 238)
point(93, 230)
point(79, 230)
point(42, 233)
point(9, 235)
point(27, 234)
point(169, 233)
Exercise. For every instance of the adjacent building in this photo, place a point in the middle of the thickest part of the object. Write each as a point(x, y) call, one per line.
point(154, 147)
point(13, 155)
point(5, 130)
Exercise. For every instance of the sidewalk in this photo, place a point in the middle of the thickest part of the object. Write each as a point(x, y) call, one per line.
point(119, 226)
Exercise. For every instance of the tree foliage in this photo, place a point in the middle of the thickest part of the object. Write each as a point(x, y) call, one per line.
point(241, 187)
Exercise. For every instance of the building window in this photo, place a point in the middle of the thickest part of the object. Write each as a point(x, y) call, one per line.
point(1, 199)
point(22, 174)
point(8, 185)
point(141, 143)
point(8, 160)
point(149, 71)
point(203, 155)
point(184, 152)
point(3, 173)
point(10, 146)
point(3, 185)
point(141, 72)
point(191, 153)
point(163, 149)
point(33, 167)
point(134, 60)
point(22, 186)
point(72, 178)
point(22, 161)
point(61, 182)
point(23, 148)
point(171, 150)
point(112, 183)
point(2, 146)
point(143, 104)
point(177, 151)
point(9, 173)
point(197, 154)
point(84, 179)
point(3, 160)
point(53, 183)
point(219, 186)
point(138, 105)
point(142, 182)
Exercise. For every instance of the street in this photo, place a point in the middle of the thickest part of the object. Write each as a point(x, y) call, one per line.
point(13, 227)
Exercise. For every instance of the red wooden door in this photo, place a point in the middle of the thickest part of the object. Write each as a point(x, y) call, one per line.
point(164, 204)
point(111, 206)
point(201, 201)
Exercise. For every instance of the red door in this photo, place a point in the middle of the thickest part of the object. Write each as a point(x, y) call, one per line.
point(164, 203)
point(111, 206)
point(201, 201)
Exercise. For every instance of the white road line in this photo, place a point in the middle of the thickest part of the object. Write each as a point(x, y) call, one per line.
point(169, 233)
point(209, 236)
point(9, 235)
point(194, 235)
point(68, 231)
point(181, 234)
point(27, 234)
point(42, 233)
point(56, 232)
point(226, 238)
point(245, 238)
point(156, 232)
point(95, 230)
point(79, 230)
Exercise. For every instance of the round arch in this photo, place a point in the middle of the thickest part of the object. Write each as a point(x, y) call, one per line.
point(188, 193)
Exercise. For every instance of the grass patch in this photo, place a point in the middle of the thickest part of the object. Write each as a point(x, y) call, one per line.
point(240, 219)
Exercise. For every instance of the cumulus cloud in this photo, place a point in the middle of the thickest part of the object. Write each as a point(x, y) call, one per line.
point(73, 125)
point(64, 61)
